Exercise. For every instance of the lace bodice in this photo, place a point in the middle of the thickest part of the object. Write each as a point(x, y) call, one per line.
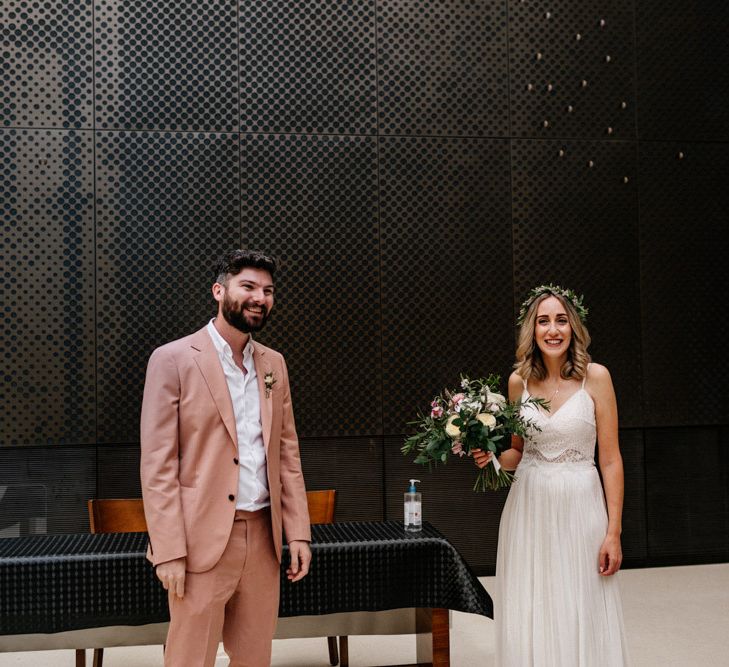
point(567, 435)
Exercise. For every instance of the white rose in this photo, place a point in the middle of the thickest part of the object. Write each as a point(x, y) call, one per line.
point(451, 429)
point(495, 399)
point(489, 421)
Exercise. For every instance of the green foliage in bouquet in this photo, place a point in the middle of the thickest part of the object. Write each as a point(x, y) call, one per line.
point(476, 417)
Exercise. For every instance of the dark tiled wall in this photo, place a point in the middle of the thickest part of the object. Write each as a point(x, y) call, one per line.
point(417, 166)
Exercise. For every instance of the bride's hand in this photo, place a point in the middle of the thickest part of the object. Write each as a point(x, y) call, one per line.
point(481, 458)
point(611, 556)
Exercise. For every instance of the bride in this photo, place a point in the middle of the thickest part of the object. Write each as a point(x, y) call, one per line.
point(558, 603)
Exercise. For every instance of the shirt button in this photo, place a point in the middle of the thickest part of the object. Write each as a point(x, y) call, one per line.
point(235, 461)
point(231, 497)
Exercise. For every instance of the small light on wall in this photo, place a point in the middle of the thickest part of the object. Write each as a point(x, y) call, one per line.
point(681, 155)
point(610, 130)
point(608, 59)
point(623, 105)
point(584, 83)
point(548, 15)
point(602, 23)
point(545, 123)
point(530, 86)
point(562, 152)
point(578, 37)
point(550, 87)
point(539, 55)
point(570, 108)
point(591, 164)
point(625, 179)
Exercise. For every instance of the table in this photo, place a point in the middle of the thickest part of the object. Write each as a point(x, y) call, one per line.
point(61, 583)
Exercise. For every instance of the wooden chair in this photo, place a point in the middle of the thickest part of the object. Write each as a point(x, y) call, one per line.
point(112, 515)
point(321, 510)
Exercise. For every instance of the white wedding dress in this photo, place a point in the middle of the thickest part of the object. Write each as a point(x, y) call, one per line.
point(553, 608)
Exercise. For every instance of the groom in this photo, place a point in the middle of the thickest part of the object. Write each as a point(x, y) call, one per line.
point(221, 475)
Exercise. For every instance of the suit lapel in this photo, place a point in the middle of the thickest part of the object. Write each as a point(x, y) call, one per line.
point(266, 398)
point(208, 362)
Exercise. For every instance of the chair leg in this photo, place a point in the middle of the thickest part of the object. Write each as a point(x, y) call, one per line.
point(344, 651)
point(80, 657)
point(333, 653)
point(98, 657)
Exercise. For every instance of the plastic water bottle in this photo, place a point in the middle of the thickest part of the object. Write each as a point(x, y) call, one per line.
point(413, 508)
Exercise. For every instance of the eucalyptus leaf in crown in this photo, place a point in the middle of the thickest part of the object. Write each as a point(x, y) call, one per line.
point(476, 416)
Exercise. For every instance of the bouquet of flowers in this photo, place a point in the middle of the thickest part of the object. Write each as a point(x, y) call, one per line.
point(476, 417)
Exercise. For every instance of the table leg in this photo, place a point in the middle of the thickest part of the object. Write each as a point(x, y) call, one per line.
point(441, 638)
point(432, 646)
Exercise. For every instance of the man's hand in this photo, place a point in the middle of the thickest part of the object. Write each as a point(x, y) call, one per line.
point(172, 575)
point(300, 560)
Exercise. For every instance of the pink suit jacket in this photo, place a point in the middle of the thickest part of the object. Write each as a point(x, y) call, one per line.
point(189, 456)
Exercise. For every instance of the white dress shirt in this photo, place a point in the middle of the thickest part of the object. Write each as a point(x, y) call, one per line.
point(243, 387)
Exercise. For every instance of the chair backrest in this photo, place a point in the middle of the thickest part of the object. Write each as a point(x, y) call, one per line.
point(126, 515)
point(321, 505)
point(117, 515)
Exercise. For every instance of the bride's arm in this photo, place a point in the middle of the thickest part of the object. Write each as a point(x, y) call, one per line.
point(511, 457)
point(600, 387)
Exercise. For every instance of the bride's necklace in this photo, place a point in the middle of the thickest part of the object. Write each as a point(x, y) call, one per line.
point(556, 391)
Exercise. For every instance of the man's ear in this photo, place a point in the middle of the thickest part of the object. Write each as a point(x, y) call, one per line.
point(217, 290)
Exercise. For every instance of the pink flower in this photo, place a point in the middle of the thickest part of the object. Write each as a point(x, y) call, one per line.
point(457, 398)
point(457, 448)
point(436, 412)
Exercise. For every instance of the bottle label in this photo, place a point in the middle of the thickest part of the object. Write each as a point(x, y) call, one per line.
point(412, 513)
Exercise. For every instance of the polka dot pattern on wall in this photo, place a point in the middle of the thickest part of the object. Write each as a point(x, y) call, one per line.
point(47, 286)
point(47, 63)
point(308, 66)
point(166, 65)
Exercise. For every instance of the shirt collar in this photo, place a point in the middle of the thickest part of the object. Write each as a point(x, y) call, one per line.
point(222, 346)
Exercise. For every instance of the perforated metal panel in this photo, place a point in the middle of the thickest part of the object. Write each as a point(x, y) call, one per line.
point(684, 280)
point(572, 69)
point(166, 65)
point(46, 253)
point(446, 268)
point(442, 68)
point(167, 206)
point(308, 66)
point(577, 226)
point(312, 201)
point(683, 80)
point(47, 63)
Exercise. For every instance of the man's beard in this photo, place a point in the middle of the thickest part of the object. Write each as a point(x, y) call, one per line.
point(235, 316)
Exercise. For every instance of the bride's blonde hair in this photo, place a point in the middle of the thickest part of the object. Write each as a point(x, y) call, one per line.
point(529, 362)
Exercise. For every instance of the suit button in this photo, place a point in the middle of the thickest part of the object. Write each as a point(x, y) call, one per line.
point(231, 497)
point(235, 461)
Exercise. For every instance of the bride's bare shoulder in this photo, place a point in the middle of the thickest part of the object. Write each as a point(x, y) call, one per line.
point(516, 386)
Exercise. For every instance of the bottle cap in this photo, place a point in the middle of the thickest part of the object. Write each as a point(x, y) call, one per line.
point(412, 488)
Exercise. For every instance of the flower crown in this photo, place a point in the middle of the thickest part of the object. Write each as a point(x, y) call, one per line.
point(568, 294)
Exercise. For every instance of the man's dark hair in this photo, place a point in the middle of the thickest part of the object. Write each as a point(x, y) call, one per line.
point(234, 261)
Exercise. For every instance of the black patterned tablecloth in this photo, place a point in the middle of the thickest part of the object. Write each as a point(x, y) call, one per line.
point(55, 583)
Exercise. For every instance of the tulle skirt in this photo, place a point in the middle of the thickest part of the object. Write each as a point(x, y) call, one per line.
point(553, 609)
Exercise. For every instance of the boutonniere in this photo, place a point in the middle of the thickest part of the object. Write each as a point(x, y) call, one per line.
point(269, 380)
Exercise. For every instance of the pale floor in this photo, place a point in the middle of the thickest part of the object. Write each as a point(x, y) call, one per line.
point(675, 617)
